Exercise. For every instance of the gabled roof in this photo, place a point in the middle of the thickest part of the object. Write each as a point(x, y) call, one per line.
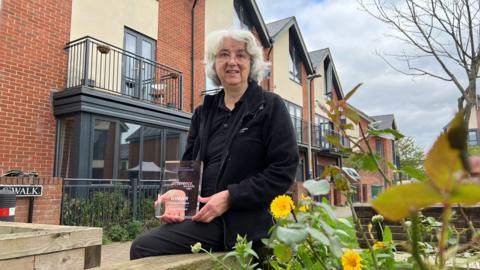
point(258, 22)
point(277, 27)
point(385, 121)
point(318, 57)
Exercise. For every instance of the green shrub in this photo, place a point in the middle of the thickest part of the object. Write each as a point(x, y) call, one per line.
point(118, 233)
point(133, 227)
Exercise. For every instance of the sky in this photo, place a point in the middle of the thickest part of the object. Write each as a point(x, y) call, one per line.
point(422, 106)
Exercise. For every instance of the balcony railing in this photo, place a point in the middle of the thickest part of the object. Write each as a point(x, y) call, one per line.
point(301, 129)
point(319, 139)
point(102, 66)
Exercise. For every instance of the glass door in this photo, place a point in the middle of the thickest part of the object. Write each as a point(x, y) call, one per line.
point(138, 65)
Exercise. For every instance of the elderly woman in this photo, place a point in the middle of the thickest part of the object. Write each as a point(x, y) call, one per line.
point(246, 140)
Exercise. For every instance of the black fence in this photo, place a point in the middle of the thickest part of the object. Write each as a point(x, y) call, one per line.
point(100, 65)
point(106, 202)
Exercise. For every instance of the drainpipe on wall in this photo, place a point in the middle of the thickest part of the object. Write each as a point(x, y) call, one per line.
point(271, 67)
point(309, 99)
point(192, 83)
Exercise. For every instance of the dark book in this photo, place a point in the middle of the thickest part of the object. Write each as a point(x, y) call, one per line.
point(180, 188)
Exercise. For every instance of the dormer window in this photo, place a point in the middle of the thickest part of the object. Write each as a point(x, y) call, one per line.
point(328, 78)
point(294, 63)
point(241, 17)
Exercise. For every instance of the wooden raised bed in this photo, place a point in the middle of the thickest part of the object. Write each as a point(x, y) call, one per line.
point(38, 246)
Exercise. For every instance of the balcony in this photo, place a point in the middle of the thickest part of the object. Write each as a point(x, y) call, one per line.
point(301, 129)
point(101, 66)
point(319, 140)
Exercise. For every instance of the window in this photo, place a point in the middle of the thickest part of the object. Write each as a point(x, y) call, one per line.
point(322, 128)
point(296, 115)
point(473, 137)
point(129, 149)
point(294, 63)
point(328, 78)
point(376, 191)
point(379, 147)
point(103, 149)
point(242, 16)
point(67, 150)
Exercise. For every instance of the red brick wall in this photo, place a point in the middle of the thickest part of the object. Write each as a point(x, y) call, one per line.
point(33, 63)
point(46, 209)
point(174, 43)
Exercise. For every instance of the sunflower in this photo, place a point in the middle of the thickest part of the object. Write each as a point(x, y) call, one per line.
point(281, 206)
point(351, 260)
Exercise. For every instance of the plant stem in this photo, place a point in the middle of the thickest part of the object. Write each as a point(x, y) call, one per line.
point(370, 152)
point(362, 232)
point(415, 240)
point(442, 243)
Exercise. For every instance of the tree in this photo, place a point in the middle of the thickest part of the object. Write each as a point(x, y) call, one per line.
point(445, 31)
point(411, 155)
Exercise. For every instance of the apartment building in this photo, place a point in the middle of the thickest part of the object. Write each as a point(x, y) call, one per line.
point(91, 88)
point(371, 184)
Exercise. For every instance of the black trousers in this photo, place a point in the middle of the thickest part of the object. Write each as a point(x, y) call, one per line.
point(176, 238)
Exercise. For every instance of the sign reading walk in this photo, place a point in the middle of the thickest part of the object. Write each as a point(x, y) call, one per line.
point(25, 190)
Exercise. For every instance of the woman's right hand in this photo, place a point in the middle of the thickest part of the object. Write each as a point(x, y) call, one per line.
point(174, 203)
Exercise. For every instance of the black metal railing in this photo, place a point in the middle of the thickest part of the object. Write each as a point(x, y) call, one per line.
point(301, 129)
point(105, 202)
point(319, 139)
point(100, 65)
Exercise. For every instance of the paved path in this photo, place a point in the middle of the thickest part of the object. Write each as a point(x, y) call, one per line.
point(115, 252)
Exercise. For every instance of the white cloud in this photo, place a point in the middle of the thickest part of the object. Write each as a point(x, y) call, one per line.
point(422, 106)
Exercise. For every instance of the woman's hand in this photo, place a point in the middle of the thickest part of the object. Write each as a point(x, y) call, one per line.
point(215, 206)
point(174, 203)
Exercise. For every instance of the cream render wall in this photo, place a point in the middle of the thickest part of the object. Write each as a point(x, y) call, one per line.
point(282, 84)
point(106, 19)
point(319, 91)
point(472, 123)
point(219, 14)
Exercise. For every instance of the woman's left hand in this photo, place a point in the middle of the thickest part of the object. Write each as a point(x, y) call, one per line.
point(215, 206)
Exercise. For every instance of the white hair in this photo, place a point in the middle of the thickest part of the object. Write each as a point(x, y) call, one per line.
point(258, 66)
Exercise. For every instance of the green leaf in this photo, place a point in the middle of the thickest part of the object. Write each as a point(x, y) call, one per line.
point(291, 236)
point(315, 188)
point(336, 246)
point(442, 163)
point(328, 210)
point(342, 234)
point(418, 174)
point(350, 94)
point(386, 131)
point(387, 234)
point(329, 230)
point(318, 235)
point(345, 222)
point(466, 194)
point(282, 252)
point(352, 115)
point(397, 202)
point(367, 163)
point(334, 139)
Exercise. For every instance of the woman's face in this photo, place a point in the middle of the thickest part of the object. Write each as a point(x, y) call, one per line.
point(232, 64)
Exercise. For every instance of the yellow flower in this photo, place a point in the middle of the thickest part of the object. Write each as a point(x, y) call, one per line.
point(351, 260)
point(281, 206)
point(378, 245)
point(304, 201)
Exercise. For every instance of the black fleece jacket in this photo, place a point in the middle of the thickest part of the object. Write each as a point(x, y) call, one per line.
point(258, 163)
